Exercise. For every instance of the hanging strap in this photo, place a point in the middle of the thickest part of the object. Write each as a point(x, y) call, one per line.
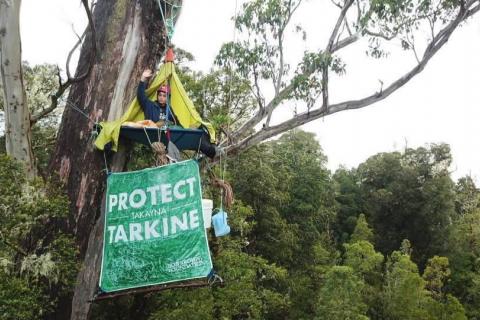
point(169, 22)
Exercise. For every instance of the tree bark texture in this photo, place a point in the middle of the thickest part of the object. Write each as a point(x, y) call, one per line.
point(129, 39)
point(18, 135)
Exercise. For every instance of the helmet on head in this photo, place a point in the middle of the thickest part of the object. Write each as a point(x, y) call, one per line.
point(164, 88)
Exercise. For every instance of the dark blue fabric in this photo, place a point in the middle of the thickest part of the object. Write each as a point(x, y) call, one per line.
point(184, 139)
point(152, 110)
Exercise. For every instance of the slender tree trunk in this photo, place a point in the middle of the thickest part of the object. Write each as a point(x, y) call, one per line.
point(18, 136)
point(129, 35)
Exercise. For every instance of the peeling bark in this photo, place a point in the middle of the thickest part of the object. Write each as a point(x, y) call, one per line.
point(128, 40)
point(18, 136)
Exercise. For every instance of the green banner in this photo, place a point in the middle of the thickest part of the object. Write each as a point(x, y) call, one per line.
point(154, 230)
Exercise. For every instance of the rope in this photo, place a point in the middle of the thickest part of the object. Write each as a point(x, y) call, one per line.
point(106, 165)
point(161, 154)
point(198, 148)
point(168, 21)
point(214, 278)
point(148, 138)
point(226, 188)
point(74, 107)
point(159, 150)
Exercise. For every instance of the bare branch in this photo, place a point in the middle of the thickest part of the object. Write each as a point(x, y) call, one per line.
point(411, 42)
point(69, 57)
point(291, 13)
point(395, 34)
point(63, 86)
point(347, 26)
point(53, 105)
point(359, 13)
point(474, 10)
point(278, 81)
point(345, 42)
point(94, 45)
point(336, 4)
point(258, 93)
point(380, 35)
point(431, 23)
point(343, 12)
point(329, 51)
point(261, 113)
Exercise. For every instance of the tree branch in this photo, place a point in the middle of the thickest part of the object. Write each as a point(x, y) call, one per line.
point(345, 42)
point(336, 4)
point(278, 83)
point(63, 86)
point(254, 120)
point(54, 100)
point(340, 19)
point(69, 57)
point(329, 51)
point(94, 45)
point(474, 10)
point(380, 35)
point(306, 117)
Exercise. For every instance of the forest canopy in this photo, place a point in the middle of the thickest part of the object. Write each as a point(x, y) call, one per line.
point(392, 238)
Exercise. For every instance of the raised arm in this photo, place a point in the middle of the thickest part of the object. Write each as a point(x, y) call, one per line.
point(142, 86)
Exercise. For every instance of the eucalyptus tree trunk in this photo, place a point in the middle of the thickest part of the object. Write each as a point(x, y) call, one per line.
point(18, 137)
point(129, 39)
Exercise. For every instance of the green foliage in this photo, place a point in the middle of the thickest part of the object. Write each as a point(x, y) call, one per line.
point(449, 309)
point(192, 304)
point(280, 260)
point(221, 96)
point(242, 297)
point(464, 257)
point(340, 297)
point(405, 296)
point(44, 138)
point(19, 299)
point(142, 157)
point(259, 54)
point(436, 273)
point(308, 80)
point(467, 196)
point(362, 231)
point(350, 203)
point(443, 305)
point(409, 195)
point(363, 259)
point(384, 20)
point(291, 218)
point(39, 261)
point(265, 23)
point(41, 81)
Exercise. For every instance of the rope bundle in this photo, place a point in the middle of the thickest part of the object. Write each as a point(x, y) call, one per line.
point(227, 191)
point(160, 153)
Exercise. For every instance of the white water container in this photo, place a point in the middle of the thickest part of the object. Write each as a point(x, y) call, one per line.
point(207, 206)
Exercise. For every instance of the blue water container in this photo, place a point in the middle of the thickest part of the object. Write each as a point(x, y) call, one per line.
point(220, 224)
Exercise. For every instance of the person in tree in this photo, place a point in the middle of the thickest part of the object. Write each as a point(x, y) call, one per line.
point(158, 112)
point(155, 111)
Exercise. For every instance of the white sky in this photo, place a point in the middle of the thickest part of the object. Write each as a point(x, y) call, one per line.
point(441, 104)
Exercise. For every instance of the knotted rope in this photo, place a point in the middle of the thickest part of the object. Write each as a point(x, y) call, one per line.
point(160, 153)
point(227, 191)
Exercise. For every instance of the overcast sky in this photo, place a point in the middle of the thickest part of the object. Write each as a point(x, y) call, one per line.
point(441, 104)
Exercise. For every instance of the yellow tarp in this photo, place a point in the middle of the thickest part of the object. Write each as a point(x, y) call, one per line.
point(180, 103)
